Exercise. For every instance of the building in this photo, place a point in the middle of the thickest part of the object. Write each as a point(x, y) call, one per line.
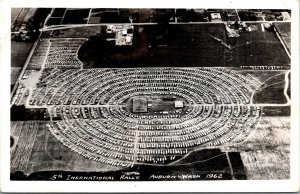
point(139, 105)
point(216, 17)
point(178, 104)
point(123, 34)
point(286, 16)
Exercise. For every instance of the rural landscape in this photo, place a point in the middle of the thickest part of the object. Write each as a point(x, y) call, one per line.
point(112, 94)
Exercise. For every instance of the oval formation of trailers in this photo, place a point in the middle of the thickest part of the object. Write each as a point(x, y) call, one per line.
point(93, 120)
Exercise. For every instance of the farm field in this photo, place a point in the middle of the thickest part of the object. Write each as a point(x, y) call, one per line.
point(189, 45)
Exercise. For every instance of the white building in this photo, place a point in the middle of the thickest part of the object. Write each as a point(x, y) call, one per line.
point(216, 17)
point(178, 104)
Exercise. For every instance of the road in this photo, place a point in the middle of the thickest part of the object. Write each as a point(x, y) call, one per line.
point(60, 27)
point(283, 44)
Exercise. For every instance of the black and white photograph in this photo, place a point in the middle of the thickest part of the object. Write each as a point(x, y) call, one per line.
point(150, 94)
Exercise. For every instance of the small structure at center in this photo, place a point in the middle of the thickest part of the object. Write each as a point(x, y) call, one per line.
point(139, 105)
point(178, 104)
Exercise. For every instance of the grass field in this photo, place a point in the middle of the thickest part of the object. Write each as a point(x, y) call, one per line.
point(284, 30)
point(272, 91)
point(273, 94)
point(276, 111)
point(266, 153)
point(15, 71)
point(19, 53)
point(272, 88)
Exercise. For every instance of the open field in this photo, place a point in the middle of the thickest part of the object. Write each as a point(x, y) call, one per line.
point(266, 153)
point(284, 30)
point(19, 53)
point(214, 159)
point(273, 85)
point(273, 94)
point(18, 14)
point(98, 15)
point(213, 168)
point(272, 91)
point(276, 111)
point(15, 71)
point(76, 16)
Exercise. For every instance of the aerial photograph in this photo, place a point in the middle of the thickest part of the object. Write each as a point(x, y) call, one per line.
point(119, 94)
